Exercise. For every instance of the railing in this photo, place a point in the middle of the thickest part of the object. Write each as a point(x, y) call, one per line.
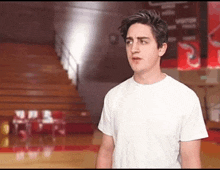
point(216, 106)
point(211, 105)
point(67, 60)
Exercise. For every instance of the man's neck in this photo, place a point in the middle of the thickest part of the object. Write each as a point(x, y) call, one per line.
point(149, 78)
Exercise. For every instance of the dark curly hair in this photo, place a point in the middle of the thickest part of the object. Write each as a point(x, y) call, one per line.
point(150, 18)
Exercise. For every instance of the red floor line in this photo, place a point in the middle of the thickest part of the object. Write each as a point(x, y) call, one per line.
point(93, 148)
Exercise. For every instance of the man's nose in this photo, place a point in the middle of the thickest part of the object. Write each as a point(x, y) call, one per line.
point(135, 48)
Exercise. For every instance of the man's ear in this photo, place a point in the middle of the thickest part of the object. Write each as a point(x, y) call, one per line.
point(162, 49)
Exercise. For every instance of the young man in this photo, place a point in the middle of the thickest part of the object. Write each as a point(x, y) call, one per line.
point(150, 120)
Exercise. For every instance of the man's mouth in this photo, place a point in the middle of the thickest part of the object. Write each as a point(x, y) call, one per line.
point(136, 58)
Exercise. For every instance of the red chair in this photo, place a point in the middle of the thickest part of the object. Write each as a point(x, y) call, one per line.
point(46, 118)
point(34, 118)
point(59, 122)
point(54, 118)
point(20, 118)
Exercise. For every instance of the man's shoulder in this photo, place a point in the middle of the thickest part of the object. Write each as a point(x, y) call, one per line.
point(180, 87)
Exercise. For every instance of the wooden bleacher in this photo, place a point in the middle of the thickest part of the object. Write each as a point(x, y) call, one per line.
point(32, 78)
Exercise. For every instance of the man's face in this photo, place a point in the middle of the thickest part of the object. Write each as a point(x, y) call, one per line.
point(142, 51)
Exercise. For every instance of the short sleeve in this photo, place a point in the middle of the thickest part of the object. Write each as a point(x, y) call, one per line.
point(193, 125)
point(105, 123)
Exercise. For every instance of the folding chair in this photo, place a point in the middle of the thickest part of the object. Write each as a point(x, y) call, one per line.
point(46, 119)
point(56, 119)
point(20, 118)
point(34, 116)
point(59, 124)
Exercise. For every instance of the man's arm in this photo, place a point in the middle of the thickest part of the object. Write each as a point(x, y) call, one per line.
point(104, 158)
point(190, 154)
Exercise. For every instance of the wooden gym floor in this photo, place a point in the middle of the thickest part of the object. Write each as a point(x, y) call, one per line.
point(72, 151)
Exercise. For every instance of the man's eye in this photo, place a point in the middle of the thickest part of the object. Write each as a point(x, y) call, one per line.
point(143, 42)
point(128, 42)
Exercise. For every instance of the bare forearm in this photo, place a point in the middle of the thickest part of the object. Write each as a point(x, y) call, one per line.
point(104, 160)
point(191, 164)
point(190, 154)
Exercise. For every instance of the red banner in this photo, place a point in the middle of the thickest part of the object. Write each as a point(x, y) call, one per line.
point(188, 55)
point(213, 60)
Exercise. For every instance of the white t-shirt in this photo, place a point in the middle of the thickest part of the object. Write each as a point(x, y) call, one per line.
point(147, 122)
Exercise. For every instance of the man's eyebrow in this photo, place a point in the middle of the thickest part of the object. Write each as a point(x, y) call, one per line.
point(130, 38)
point(143, 38)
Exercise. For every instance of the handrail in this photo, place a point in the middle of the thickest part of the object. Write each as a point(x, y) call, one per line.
point(209, 108)
point(60, 49)
point(217, 103)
